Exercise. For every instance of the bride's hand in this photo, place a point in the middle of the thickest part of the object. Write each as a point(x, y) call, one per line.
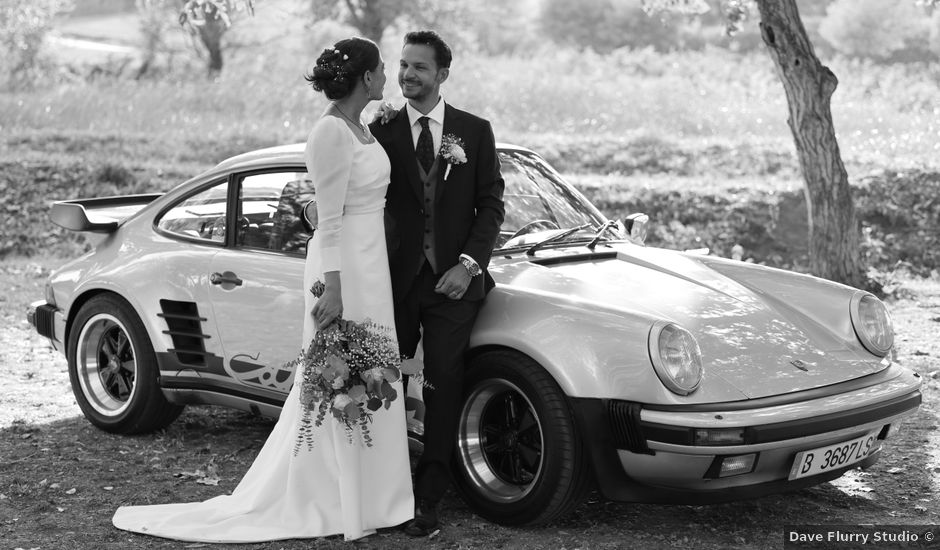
point(385, 113)
point(328, 308)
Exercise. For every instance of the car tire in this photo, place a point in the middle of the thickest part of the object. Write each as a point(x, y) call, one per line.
point(512, 410)
point(114, 371)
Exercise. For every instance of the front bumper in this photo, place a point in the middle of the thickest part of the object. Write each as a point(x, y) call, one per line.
point(644, 454)
point(48, 321)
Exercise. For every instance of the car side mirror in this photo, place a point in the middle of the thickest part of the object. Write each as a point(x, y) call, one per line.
point(636, 226)
point(309, 215)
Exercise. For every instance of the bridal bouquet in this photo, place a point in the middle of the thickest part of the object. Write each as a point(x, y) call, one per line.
point(347, 372)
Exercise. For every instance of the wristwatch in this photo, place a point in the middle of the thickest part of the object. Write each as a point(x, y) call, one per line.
point(473, 268)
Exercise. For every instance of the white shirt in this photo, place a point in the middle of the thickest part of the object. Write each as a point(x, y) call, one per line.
point(436, 124)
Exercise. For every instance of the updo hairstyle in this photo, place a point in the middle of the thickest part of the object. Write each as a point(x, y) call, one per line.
point(340, 68)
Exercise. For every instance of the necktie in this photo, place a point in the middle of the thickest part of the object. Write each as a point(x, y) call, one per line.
point(425, 147)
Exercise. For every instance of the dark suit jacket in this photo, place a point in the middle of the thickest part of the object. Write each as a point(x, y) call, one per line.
point(468, 206)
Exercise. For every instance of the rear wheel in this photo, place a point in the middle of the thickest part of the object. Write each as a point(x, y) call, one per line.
point(520, 460)
point(113, 369)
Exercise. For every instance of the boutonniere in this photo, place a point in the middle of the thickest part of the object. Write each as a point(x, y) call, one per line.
point(452, 151)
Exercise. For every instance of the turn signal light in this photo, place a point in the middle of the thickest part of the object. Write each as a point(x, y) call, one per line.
point(720, 436)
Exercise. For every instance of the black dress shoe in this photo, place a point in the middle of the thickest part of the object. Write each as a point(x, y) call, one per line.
point(425, 521)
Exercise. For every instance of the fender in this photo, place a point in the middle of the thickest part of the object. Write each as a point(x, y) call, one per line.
point(590, 349)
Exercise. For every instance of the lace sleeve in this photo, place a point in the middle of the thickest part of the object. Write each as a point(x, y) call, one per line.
point(329, 157)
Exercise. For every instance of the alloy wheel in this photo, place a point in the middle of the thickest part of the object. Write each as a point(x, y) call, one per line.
point(107, 364)
point(501, 441)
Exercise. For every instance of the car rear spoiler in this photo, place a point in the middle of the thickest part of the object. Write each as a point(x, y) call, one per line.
point(100, 215)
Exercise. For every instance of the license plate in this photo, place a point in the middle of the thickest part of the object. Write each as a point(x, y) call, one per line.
point(823, 459)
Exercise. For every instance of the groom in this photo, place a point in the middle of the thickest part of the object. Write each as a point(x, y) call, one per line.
point(443, 210)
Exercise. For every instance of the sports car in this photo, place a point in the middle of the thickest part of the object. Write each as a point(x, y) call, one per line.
point(654, 375)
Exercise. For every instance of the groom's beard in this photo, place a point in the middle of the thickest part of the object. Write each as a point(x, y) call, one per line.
point(415, 90)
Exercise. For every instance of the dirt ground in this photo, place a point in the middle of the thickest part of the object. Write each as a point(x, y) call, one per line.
point(61, 479)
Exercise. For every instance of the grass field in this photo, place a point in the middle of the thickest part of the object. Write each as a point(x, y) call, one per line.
point(708, 125)
point(885, 115)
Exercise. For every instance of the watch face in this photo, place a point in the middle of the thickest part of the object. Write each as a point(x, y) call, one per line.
point(474, 270)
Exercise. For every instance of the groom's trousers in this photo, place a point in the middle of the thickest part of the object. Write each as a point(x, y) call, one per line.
point(446, 325)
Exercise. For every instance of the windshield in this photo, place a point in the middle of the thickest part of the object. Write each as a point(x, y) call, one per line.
point(539, 202)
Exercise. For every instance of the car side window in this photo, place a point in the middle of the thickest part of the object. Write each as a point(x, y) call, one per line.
point(200, 216)
point(270, 206)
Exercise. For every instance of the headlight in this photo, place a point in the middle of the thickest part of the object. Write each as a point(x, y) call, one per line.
point(676, 357)
point(872, 323)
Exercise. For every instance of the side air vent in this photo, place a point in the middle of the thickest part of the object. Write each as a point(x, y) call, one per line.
point(625, 426)
point(184, 325)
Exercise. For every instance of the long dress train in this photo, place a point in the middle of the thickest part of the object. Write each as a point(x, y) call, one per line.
point(337, 487)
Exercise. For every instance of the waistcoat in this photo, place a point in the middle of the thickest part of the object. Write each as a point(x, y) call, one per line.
point(429, 185)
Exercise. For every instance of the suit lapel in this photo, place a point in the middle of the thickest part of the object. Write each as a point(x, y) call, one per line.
point(452, 125)
point(406, 152)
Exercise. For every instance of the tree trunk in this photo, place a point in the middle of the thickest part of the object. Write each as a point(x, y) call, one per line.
point(210, 35)
point(834, 233)
point(368, 18)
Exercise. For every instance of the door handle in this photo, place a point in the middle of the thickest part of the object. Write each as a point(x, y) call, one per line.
point(225, 278)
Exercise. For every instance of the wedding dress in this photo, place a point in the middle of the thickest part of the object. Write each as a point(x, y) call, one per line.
point(335, 487)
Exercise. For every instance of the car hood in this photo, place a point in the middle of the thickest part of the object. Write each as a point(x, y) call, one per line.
point(759, 345)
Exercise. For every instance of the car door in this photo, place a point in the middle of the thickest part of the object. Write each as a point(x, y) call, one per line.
point(190, 232)
point(256, 281)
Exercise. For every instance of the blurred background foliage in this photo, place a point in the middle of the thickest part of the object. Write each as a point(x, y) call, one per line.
point(666, 114)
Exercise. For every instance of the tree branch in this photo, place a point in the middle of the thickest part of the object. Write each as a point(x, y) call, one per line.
point(354, 15)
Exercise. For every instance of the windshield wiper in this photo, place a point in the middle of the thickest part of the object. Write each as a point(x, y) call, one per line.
point(556, 237)
point(597, 236)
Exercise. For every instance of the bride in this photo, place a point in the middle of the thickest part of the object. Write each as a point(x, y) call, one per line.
point(334, 486)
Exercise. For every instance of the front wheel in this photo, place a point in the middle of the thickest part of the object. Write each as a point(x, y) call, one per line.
point(113, 369)
point(520, 459)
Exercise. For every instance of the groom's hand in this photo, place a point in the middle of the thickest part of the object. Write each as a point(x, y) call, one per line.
point(454, 282)
point(385, 113)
